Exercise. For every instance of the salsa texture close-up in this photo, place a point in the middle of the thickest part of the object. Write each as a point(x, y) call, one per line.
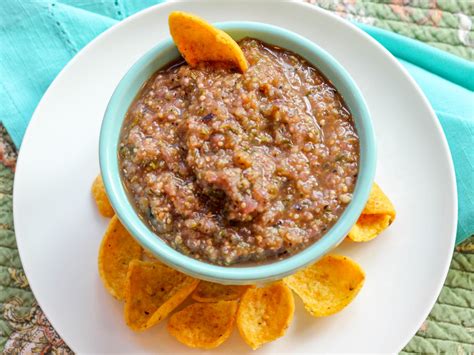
point(231, 168)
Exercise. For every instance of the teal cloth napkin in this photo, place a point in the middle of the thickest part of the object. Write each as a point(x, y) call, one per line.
point(37, 38)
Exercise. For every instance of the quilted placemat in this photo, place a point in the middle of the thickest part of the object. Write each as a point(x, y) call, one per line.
point(445, 24)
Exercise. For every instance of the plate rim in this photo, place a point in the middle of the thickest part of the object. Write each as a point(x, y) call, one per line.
point(310, 7)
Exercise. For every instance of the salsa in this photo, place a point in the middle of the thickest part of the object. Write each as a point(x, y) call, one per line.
point(231, 168)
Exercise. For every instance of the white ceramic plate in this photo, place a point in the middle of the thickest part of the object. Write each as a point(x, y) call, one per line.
point(59, 230)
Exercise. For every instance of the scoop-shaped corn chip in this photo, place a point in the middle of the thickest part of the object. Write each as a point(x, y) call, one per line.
point(116, 251)
point(265, 313)
point(212, 292)
point(377, 215)
point(198, 41)
point(152, 291)
point(368, 227)
point(100, 197)
point(204, 325)
point(327, 286)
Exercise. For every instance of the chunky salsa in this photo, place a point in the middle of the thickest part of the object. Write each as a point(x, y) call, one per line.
point(231, 168)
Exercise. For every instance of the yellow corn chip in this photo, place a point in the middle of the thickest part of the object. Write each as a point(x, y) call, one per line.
point(148, 256)
point(198, 41)
point(213, 292)
point(327, 286)
point(265, 313)
point(117, 249)
point(204, 325)
point(101, 199)
point(152, 291)
point(377, 215)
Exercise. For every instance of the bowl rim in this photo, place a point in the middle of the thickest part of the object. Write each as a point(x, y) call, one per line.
point(108, 158)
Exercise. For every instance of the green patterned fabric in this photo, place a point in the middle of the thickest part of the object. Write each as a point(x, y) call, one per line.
point(450, 325)
point(445, 24)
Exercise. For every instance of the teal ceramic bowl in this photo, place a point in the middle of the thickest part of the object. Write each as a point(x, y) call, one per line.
point(161, 55)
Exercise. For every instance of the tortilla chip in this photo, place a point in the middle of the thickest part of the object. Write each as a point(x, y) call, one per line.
point(213, 292)
point(198, 41)
point(327, 286)
point(116, 251)
point(152, 291)
point(149, 256)
point(204, 325)
point(377, 215)
point(101, 199)
point(265, 313)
